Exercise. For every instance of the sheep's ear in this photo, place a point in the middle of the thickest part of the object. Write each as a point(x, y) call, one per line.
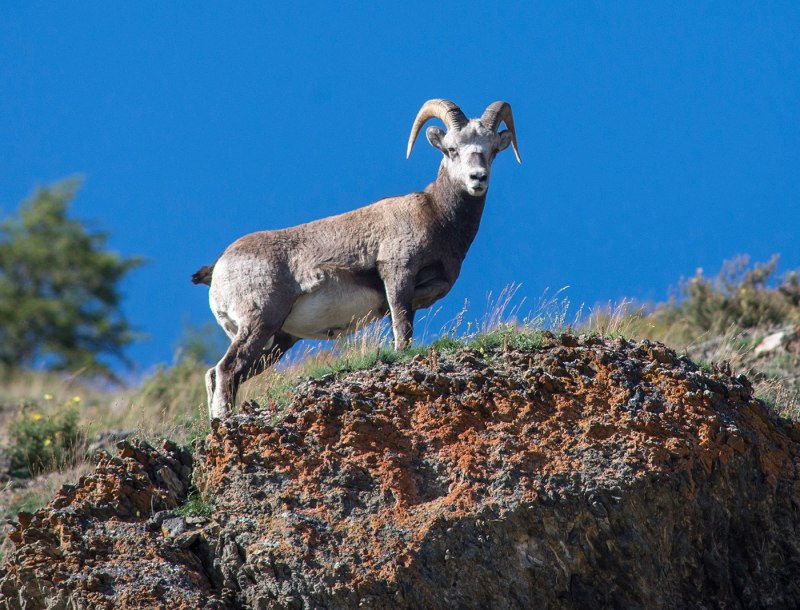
point(435, 137)
point(504, 138)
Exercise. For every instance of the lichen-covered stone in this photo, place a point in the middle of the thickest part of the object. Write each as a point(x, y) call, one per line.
point(93, 546)
point(586, 474)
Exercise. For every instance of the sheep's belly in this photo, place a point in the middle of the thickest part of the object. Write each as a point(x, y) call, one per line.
point(336, 308)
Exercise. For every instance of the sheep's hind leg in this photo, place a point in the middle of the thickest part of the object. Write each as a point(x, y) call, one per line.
point(211, 375)
point(283, 341)
point(244, 356)
point(273, 352)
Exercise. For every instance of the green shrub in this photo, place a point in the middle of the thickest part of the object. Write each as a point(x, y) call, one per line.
point(42, 440)
point(740, 296)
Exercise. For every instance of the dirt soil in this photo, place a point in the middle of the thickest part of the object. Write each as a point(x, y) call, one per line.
point(585, 474)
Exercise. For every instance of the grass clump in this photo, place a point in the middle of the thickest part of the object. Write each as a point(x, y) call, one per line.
point(171, 402)
point(42, 439)
point(195, 506)
point(508, 336)
point(177, 390)
point(199, 501)
point(279, 388)
point(448, 343)
point(705, 366)
point(28, 503)
point(354, 360)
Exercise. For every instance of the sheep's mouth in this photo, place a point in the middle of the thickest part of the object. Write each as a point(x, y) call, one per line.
point(477, 188)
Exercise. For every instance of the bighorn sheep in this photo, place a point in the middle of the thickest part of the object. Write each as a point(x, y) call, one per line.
point(318, 280)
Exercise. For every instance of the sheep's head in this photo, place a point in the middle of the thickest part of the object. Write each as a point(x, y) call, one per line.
point(469, 145)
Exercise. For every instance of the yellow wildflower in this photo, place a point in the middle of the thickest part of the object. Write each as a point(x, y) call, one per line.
point(36, 416)
point(48, 397)
point(76, 399)
point(47, 442)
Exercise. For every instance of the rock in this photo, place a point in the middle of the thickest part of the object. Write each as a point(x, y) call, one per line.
point(104, 441)
point(99, 545)
point(770, 342)
point(172, 481)
point(173, 527)
point(586, 474)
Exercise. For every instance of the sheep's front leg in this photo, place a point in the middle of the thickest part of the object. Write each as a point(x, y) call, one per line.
point(400, 294)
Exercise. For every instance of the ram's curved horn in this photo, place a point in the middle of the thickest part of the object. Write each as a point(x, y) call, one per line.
point(500, 112)
point(444, 110)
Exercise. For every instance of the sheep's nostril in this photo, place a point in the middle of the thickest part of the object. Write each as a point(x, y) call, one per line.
point(479, 176)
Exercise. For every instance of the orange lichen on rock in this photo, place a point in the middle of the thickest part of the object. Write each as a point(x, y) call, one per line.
point(586, 473)
point(94, 545)
point(382, 462)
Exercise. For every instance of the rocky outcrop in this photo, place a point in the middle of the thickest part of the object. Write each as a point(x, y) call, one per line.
point(769, 357)
point(99, 543)
point(583, 474)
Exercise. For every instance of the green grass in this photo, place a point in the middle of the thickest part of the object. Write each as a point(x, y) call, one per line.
point(28, 503)
point(356, 361)
point(195, 506)
point(507, 336)
point(448, 344)
point(706, 367)
point(336, 362)
point(279, 391)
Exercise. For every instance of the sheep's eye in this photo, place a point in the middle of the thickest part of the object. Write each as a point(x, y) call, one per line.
point(452, 151)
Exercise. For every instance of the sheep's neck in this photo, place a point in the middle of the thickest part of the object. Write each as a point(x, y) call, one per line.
point(458, 212)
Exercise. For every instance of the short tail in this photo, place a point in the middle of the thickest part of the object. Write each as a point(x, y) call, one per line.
point(203, 275)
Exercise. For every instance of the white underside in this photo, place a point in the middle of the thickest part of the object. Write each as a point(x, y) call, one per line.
point(337, 307)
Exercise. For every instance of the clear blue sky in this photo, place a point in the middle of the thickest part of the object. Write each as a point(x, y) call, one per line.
point(656, 137)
